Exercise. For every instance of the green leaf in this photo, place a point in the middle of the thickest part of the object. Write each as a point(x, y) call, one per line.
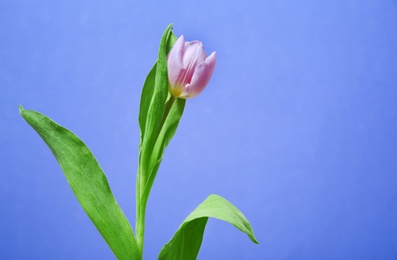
point(186, 242)
point(153, 90)
point(88, 183)
point(156, 90)
point(174, 111)
point(146, 98)
point(159, 117)
point(153, 109)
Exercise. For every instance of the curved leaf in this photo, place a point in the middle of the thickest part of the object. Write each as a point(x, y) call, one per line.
point(174, 111)
point(88, 183)
point(156, 105)
point(159, 117)
point(155, 88)
point(186, 242)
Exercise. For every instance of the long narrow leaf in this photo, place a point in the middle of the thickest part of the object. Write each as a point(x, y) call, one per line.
point(153, 116)
point(156, 106)
point(88, 183)
point(186, 242)
point(149, 85)
point(176, 107)
point(146, 97)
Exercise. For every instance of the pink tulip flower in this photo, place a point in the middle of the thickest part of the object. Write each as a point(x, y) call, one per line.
point(189, 68)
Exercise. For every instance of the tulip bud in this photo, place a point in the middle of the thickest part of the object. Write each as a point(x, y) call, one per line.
point(189, 68)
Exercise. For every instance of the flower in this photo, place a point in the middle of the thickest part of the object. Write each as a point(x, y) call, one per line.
point(189, 68)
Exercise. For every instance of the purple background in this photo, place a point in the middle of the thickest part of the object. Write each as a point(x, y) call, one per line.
point(298, 126)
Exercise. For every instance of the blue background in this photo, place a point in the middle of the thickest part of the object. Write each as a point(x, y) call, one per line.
point(297, 127)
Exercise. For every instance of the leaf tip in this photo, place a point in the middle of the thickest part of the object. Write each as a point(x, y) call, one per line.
point(21, 109)
point(252, 237)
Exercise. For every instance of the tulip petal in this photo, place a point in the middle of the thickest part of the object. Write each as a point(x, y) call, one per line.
point(201, 77)
point(175, 61)
point(194, 54)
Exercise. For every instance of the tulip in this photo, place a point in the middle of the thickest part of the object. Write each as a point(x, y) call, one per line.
point(189, 68)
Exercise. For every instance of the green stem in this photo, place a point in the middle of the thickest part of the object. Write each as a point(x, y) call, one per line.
point(140, 217)
point(141, 194)
point(140, 223)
